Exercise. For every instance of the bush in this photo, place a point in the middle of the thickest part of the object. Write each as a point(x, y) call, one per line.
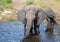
point(3, 3)
point(7, 1)
point(29, 2)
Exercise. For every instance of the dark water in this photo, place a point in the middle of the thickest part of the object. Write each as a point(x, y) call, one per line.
point(14, 32)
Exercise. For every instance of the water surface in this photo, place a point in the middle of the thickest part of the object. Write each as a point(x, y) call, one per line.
point(14, 32)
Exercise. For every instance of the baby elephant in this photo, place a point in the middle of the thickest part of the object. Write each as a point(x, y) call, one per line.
point(50, 19)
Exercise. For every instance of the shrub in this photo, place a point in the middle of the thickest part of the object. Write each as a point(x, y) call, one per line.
point(3, 3)
point(29, 2)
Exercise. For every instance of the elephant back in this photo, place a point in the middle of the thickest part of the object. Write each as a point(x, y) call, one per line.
point(21, 15)
point(41, 16)
point(50, 12)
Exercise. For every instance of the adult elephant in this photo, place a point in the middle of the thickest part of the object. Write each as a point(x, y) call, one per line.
point(41, 15)
point(27, 16)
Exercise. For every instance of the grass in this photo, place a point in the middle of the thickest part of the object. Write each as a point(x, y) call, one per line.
point(7, 5)
point(30, 2)
point(3, 3)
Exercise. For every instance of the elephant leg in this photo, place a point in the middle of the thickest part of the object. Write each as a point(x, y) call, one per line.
point(50, 27)
point(25, 23)
point(47, 29)
point(35, 29)
point(31, 30)
point(38, 28)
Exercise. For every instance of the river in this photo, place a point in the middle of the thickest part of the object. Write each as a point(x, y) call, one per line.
point(14, 32)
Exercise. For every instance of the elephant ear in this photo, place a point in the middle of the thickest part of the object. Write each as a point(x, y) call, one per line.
point(21, 15)
point(41, 16)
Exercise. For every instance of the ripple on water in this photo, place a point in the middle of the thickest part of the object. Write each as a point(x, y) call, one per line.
point(14, 32)
point(11, 31)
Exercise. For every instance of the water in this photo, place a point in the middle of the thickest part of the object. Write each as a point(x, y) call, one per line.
point(14, 32)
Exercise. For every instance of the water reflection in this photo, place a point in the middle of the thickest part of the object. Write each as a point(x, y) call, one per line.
point(49, 35)
point(33, 39)
point(44, 36)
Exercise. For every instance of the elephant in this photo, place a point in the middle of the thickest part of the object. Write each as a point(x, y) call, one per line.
point(49, 16)
point(27, 16)
point(32, 17)
point(50, 19)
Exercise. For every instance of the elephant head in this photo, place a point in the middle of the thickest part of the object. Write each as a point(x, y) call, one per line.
point(50, 12)
point(26, 16)
point(41, 16)
point(50, 15)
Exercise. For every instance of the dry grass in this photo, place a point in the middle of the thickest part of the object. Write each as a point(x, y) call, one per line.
point(54, 4)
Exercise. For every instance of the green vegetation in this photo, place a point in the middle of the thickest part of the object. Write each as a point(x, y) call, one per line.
point(8, 5)
point(3, 3)
point(7, 1)
point(29, 2)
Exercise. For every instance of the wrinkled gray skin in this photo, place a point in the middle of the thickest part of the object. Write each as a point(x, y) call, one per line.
point(50, 25)
point(50, 12)
point(27, 15)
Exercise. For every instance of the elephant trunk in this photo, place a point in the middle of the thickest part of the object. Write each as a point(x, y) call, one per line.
point(28, 27)
point(30, 16)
